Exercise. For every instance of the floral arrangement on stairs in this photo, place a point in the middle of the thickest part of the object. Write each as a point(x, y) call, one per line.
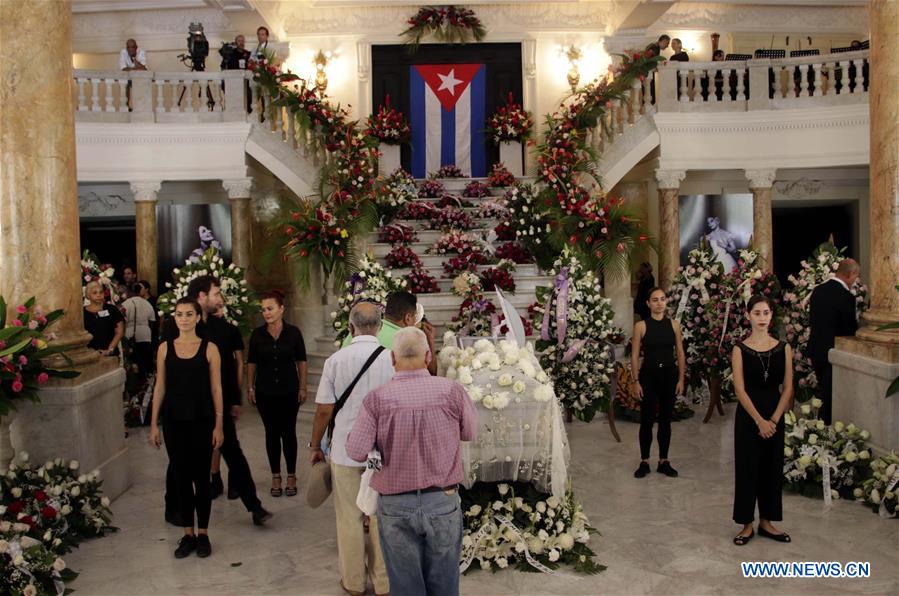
point(816, 270)
point(475, 316)
point(393, 193)
point(397, 235)
point(695, 285)
point(499, 276)
point(810, 446)
point(104, 274)
point(448, 171)
point(500, 177)
point(514, 252)
point(476, 190)
point(450, 200)
point(468, 261)
point(402, 257)
point(417, 210)
point(388, 125)
point(24, 345)
point(419, 281)
point(576, 332)
point(530, 223)
point(451, 218)
point(369, 282)
point(510, 122)
point(45, 512)
point(493, 210)
point(448, 24)
point(240, 302)
point(455, 242)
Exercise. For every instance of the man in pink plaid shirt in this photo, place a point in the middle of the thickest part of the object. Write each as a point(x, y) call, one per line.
point(417, 422)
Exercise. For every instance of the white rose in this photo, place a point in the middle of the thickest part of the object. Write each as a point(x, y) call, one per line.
point(812, 439)
point(510, 358)
point(518, 387)
point(485, 565)
point(788, 452)
point(29, 590)
point(76, 491)
point(890, 471)
point(16, 492)
point(819, 425)
point(858, 493)
point(477, 363)
point(497, 505)
point(73, 465)
point(105, 501)
point(505, 380)
point(865, 454)
point(2, 509)
point(806, 409)
point(804, 461)
point(494, 366)
point(865, 435)
point(542, 534)
point(465, 378)
point(503, 489)
point(838, 426)
point(851, 456)
point(553, 555)
point(82, 479)
point(475, 510)
point(483, 345)
point(487, 402)
point(541, 377)
point(66, 509)
point(59, 564)
point(518, 502)
point(553, 502)
point(541, 506)
point(20, 560)
point(817, 403)
point(48, 536)
point(874, 497)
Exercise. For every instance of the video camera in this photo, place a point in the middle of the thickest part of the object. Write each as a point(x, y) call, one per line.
point(197, 48)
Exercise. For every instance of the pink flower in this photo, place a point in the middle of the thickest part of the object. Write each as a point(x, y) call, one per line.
point(17, 386)
point(21, 309)
point(23, 360)
point(17, 323)
point(32, 324)
point(42, 378)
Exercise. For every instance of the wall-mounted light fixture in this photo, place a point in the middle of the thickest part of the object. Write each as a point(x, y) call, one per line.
point(321, 62)
point(574, 75)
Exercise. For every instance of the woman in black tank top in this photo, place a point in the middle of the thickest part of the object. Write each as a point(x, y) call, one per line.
point(188, 393)
point(659, 380)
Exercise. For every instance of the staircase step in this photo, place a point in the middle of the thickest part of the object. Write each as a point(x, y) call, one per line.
point(427, 236)
point(421, 224)
point(433, 264)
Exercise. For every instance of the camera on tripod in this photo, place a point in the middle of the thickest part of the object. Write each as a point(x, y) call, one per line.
point(197, 48)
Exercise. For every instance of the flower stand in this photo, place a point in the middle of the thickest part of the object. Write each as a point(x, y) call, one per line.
point(511, 156)
point(389, 160)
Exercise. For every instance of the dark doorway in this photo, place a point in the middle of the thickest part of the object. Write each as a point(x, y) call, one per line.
point(800, 228)
point(113, 240)
point(390, 76)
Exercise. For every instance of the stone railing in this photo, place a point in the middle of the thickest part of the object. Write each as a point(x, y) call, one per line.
point(149, 96)
point(763, 84)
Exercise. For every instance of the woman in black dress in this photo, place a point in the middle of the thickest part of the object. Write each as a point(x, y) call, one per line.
point(103, 321)
point(276, 375)
point(659, 380)
point(763, 379)
point(188, 392)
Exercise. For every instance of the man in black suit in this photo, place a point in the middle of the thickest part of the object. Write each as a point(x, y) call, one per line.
point(832, 314)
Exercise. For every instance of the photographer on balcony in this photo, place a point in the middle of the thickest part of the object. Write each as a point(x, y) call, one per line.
point(235, 57)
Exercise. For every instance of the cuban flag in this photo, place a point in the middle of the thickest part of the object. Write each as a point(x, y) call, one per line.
point(447, 112)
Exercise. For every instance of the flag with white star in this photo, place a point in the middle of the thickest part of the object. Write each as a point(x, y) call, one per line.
point(448, 114)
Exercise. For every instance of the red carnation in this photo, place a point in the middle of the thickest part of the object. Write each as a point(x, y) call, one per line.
point(16, 507)
point(48, 512)
point(40, 496)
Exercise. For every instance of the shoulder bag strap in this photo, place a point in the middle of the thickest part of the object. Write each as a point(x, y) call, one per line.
point(346, 393)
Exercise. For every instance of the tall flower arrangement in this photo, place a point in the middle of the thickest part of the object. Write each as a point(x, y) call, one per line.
point(240, 302)
point(24, 345)
point(696, 284)
point(393, 193)
point(388, 125)
point(816, 270)
point(510, 122)
point(576, 333)
point(370, 282)
point(103, 273)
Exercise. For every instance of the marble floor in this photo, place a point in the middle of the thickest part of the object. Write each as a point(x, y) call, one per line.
point(659, 535)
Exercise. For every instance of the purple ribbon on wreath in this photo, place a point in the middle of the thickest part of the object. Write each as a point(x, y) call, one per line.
point(560, 294)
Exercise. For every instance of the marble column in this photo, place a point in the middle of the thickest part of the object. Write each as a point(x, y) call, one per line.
point(40, 256)
point(239, 197)
point(40, 252)
point(669, 225)
point(760, 182)
point(145, 194)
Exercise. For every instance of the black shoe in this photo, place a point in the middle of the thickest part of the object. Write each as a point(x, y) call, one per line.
point(666, 469)
point(186, 545)
point(642, 471)
point(743, 540)
point(217, 486)
point(782, 537)
point(232, 493)
point(204, 548)
point(260, 516)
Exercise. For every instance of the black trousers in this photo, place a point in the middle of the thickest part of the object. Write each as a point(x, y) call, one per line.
point(659, 385)
point(279, 415)
point(239, 476)
point(758, 471)
point(189, 446)
point(824, 372)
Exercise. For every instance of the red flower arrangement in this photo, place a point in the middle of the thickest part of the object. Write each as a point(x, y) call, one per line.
point(448, 171)
point(498, 277)
point(397, 234)
point(504, 232)
point(402, 257)
point(465, 262)
point(388, 125)
point(419, 281)
point(417, 210)
point(500, 177)
point(510, 122)
point(514, 252)
point(431, 189)
point(451, 219)
point(454, 242)
point(449, 200)
point(476, 190)
point(449, 24)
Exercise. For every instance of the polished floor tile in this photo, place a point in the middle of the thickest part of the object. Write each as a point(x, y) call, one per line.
point(658, 535)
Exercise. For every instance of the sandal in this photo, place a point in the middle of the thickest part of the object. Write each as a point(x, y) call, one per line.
point(276, 490)
point(743, 540)
point(291, 491)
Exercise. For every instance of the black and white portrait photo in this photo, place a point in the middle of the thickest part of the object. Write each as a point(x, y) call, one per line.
point(724, 221)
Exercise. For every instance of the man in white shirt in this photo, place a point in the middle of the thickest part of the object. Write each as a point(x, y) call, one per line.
point(261, 43)
point(339, 372)
point(139, 314)
point(131, 58)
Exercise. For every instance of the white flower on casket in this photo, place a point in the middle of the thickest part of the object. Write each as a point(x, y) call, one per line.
point(505, 380)
point(543, 393)
point(483, 345)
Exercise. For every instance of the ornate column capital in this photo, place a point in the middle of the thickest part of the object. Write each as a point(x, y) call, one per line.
point(238, 188)
point(145, 191)
point(761, 178)
point(670, 178)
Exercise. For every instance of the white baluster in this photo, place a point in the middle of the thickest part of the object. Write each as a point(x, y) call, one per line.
point(82, 100)
point(123, 95)
point(803, 80)
point(741, 88)
point(110, 104)
point(279, 122)
point(682, 86)
point(634, 103)
point(819, 80)
point(291, 130)
point(95, 95)
point(647, 91)
point(160, 96)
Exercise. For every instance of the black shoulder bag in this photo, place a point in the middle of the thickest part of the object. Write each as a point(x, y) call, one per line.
point(346, 394)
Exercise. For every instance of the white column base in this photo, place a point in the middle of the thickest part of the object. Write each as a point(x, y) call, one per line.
point(510, 155)
point(859, 389)
point(389, 160)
